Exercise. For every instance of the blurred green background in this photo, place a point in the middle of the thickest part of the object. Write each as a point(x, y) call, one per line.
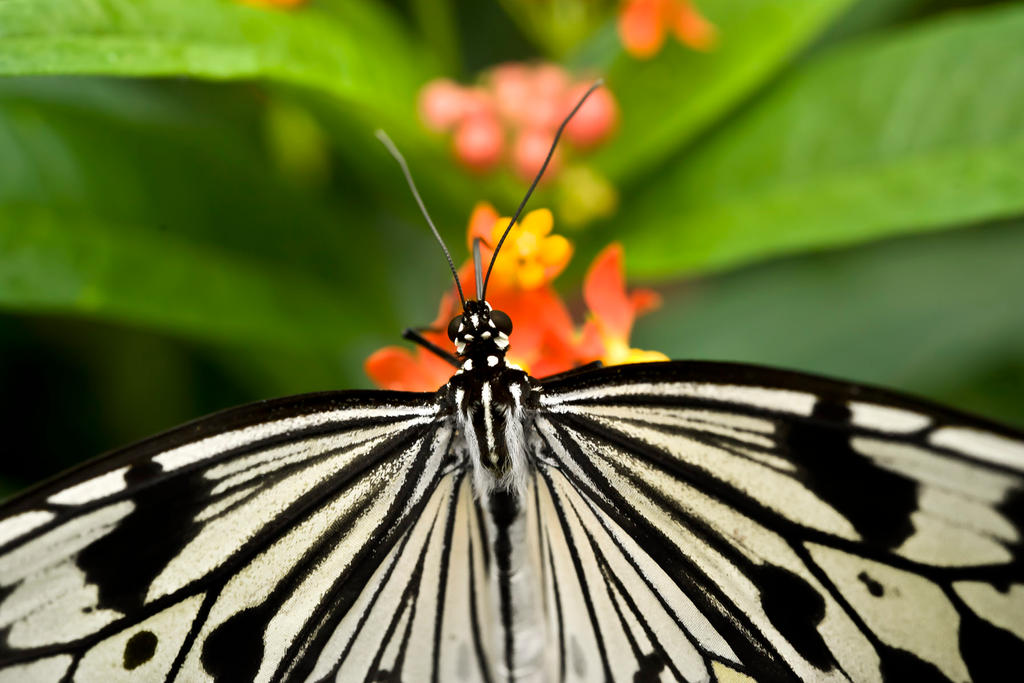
point(194, 213)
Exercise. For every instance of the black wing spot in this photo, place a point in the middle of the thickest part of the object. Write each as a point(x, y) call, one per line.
point(873, 586)
point(651, 666)
point(142, 472)
point(233, 651)
point(796, 609)
point(139, 649)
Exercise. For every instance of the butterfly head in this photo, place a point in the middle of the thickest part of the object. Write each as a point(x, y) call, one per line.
point(480, 333)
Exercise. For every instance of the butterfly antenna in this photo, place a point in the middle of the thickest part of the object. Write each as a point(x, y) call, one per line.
point(386, 141)
point(478, 269)
point(558, 134)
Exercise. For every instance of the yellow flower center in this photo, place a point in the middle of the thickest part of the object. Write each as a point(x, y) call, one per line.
point(531, 257)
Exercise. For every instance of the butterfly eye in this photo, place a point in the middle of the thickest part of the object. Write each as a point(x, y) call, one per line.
point(453, 327)
point(502, 321)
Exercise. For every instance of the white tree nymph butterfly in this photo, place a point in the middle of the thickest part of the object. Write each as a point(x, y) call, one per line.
point(682, 521)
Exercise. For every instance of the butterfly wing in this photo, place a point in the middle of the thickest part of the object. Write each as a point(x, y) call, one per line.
point(232, 546)
point(713, 519)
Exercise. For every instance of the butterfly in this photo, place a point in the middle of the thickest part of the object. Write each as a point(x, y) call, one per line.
point(673, 521)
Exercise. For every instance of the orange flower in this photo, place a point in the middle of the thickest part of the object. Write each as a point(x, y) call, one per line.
point(643, 25)
point(544, 340)
point(612, 312)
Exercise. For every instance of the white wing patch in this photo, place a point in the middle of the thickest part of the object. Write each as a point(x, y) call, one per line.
point(49, 669)
point(945, 543)
point(992, 448)
point(57, 605)
point(886, 418)
point(89, 490)
point(19, 525)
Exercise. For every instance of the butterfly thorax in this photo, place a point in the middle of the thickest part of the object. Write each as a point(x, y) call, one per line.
point(489, 396)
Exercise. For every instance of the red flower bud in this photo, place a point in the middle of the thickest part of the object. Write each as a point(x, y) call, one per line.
point(442, 104)
point(550, 80)
point(479, 142)
point(531, 147)
point(513, 91)
point(596, 118)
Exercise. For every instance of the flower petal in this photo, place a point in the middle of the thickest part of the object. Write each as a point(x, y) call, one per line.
point(481, 225)
point(531, 275)
point(642, 27)
point(590, 346)
point(397, 369)
point(556, 250)
point(539, 316)
point(604, 291)
point(691, 28)
point(641, 356)
point(538, 222)
point(644, 301)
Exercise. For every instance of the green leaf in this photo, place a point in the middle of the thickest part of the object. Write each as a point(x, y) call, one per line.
point(352, 57)
point(917, 131)
point(866, 16)
point(124, 204)
point(354, 51)
point(54, 262)
point(667, 100)
point(935, 315)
